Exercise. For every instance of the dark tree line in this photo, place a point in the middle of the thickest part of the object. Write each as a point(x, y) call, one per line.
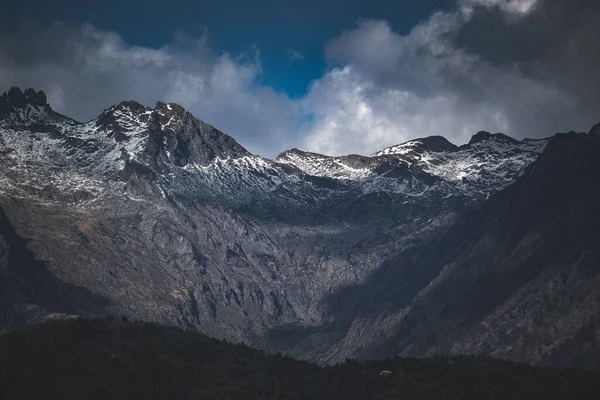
point(117, 359)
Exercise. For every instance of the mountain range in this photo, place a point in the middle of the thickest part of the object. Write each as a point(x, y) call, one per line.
point(423, 248)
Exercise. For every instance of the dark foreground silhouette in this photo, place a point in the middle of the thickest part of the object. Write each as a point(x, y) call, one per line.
point(82, 359)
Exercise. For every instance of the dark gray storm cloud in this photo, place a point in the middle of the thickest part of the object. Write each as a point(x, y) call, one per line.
point(524, 67)
point(556, 42)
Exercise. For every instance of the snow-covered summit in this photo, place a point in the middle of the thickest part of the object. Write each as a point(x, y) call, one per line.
point(351, 167)
point(429, 144)
point(171, 148)
point(28, 109)
point(488, 163)
point(126, 131)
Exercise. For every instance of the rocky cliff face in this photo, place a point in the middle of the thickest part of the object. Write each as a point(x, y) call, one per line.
point(156, 215)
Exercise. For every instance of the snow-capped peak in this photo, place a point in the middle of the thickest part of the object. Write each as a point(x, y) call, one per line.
point(124, 133)
point(26, 108)
point(169, 144)
point(417, 146)
point(487, 164)
point(351, 167)
point(483, 136)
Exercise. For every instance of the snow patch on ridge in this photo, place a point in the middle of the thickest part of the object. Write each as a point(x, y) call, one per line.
point(92, 155)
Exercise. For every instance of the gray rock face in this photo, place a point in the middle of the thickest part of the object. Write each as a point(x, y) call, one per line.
point(159, 216)
point(595, 131)
point(483, 136)
point(15, 98)
point(29, 292)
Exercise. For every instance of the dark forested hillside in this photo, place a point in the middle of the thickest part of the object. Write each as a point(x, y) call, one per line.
point(82, 359)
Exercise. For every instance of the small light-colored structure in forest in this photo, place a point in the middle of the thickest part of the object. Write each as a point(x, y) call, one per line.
point(385, 372)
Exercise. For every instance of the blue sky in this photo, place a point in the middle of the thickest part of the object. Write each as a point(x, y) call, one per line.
point(330, 76)
point(278, 28)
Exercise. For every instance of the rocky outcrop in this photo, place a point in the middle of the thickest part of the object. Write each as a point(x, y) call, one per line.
point(483, 136)
point(15, 98)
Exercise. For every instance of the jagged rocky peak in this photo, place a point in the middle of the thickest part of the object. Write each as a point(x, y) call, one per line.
point(349, 167)
point(191, 141)
point(595, 131)
point(295, 152)
point(124, 120)
point(312, 163)
point(169, 133)
point(35, 98)
point(133, 106)
point(170, 108)
point(172, 116)
point(128, 109)
point(436, 144)
point(16, 98)
point(483, 136)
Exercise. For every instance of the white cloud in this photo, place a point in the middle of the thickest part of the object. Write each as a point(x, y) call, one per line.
point(353, 114)
point(512, 6)
point(387, 88)
point(294, 55)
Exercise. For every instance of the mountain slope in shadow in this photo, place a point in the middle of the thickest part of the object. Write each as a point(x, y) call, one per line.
point(520, 276)
point(29, 292)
